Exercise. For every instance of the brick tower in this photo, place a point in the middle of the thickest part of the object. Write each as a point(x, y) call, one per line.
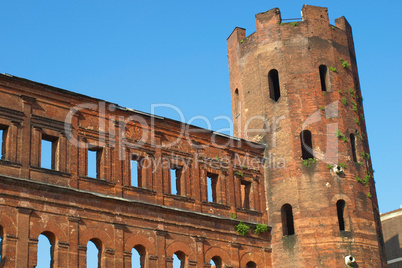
point(295, 87)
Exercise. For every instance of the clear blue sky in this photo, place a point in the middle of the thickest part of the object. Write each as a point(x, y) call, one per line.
point(138, 53)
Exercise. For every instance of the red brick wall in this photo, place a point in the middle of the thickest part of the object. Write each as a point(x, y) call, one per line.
point(72, 208)
point(296, 50)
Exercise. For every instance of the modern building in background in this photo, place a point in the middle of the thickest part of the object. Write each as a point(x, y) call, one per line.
point(293, 188)
point(392, 231)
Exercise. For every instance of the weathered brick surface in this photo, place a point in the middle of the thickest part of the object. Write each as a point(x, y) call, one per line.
point(296, 50)
point(70, 208)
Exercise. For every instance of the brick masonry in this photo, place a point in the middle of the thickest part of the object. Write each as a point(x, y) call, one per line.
point(249, 184)
point(296, 50)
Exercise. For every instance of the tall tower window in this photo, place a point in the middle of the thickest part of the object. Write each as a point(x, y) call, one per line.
point(273, 82)
point(306, 144)
point(323, 77)
point(353, 145)
point(287, 220)
point(340, 208)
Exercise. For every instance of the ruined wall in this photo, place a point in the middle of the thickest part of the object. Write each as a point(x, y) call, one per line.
point(71, 208)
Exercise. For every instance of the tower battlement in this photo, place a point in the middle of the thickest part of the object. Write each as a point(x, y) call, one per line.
point(295, 87)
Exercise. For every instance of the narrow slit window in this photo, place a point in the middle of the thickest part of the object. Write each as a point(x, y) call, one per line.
point(323, 77)
point(273, 82)
point(353, 145)
point(136, 171)
point(245, 194)
point(48, 152)
point(306, 144)
point(175, 180)
point(340, 208)
point(287, 220)
point(94, 163)
point(212, 183)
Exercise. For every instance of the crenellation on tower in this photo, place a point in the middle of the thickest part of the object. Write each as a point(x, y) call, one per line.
point(302, 75)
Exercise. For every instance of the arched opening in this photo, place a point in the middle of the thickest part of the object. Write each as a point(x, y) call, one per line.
point(179, 259)
point(306, 144)
point(216, 262)
point(273, 82)
point(353, 145)
point(251, 264)
point(287, 220)
point(323, 77)
point(1, 244)
point(138, 254)
point(94, 253)
point(340, 208)
point(45, 255)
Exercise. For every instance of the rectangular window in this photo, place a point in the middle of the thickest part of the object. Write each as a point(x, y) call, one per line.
point(2, 143)
point(48, 152)
point(245, 194)
point(3, 139)
point(175, 180)
point(212, 183)
point(94, 163)
point(136, 171)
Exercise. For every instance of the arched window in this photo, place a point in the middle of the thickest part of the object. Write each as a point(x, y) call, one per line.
point(273, 82)
point(94, 253)
point(138, 254)
point(340, 208)
point(306, 144)
point(287, 220)
point(179, 259)
point(353, 145)
point(216, 262)
point(45, 257)
point(324, 77)
point(251, 264)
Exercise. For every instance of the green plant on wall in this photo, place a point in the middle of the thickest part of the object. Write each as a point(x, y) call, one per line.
point(345, 64)
point(342, 165)
point(344, 101)
point(308, 162)
point(340, 136)
point(239, 173)
point(357, 121)
point(352, 90)
point(294, 23)
point(260, 228)
point(233, 216)
point(242, 229)
point(333, 69)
